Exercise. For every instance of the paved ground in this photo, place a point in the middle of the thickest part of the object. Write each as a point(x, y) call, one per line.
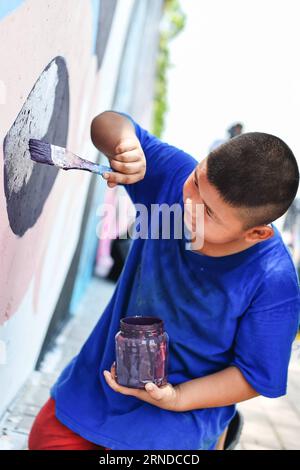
point(274, 423)
point(269, 423)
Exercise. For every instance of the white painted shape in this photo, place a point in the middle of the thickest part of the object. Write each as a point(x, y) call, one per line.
point(39, 103)
point(113, 54)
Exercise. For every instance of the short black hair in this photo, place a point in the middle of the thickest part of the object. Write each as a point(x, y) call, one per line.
point(256, 172)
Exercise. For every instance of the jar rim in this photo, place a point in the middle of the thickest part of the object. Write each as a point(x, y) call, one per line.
point(141, 323)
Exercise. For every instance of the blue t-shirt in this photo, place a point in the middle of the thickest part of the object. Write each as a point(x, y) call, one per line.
point(240, 309)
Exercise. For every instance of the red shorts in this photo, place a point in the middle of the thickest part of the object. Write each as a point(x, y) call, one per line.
point(48, 433)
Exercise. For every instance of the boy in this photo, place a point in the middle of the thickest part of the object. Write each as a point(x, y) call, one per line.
point(230, 307)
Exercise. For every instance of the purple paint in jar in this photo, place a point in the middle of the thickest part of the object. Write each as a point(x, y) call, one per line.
point(142, 352)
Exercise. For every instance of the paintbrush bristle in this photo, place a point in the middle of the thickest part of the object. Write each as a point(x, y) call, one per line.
point(40, 151)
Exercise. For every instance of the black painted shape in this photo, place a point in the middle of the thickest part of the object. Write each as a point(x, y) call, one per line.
point(25, 205)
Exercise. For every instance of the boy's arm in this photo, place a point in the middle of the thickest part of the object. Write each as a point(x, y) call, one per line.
point(222, 388)
point(153, 165)
point(114, 135)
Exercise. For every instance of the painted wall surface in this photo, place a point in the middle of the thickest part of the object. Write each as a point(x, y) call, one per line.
point(59, 67)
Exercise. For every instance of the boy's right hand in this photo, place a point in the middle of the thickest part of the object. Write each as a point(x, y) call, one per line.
point(128, 163)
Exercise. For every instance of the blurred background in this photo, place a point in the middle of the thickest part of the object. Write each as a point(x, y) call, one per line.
point(193, 72)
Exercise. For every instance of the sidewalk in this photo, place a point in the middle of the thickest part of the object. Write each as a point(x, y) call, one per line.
point(274, 423)
point(269, 423)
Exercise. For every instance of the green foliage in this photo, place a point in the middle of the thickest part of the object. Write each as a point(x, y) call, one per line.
point(173, 21)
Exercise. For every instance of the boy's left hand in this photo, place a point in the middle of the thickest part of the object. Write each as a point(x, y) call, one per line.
point(165, 397)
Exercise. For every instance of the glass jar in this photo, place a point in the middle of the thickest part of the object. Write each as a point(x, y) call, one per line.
point(142, 352)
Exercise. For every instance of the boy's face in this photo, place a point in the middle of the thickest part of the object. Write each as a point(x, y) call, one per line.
point(221, 221)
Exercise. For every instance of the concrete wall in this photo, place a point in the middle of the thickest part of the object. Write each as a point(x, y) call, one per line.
point(60, 65)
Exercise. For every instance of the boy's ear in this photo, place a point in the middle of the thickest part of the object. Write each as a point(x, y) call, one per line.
point(259, 233)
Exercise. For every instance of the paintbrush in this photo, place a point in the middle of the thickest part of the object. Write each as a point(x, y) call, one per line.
point(43, 152)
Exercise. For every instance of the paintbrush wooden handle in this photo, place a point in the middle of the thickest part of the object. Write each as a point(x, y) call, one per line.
point(79, 163)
